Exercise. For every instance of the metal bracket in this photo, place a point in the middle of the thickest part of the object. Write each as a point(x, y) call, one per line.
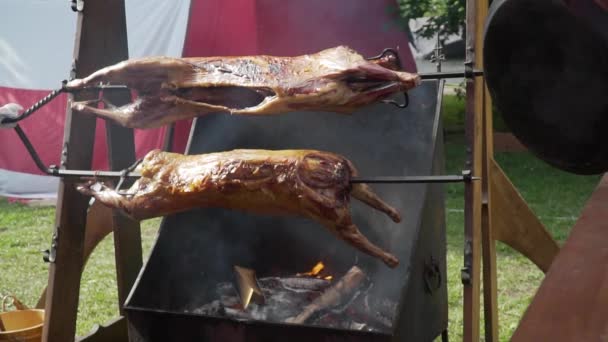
point(64, 155)
point(432, 276)
point(77, 5)
point(467, 176)
point(465, 272)
point(468, 70)
point(50, 255)
point(72, 70)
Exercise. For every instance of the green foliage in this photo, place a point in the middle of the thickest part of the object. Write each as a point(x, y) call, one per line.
point(453, 111)
point(446, 17)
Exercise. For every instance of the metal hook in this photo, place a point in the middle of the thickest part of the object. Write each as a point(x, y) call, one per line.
point(125, 173)
point(406, 101)
point(388, 51)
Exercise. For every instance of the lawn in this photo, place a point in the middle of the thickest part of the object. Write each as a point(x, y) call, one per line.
point(556, 197)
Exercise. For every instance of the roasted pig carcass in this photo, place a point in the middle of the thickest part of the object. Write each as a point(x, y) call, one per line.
point(169, 89)
point(305, 183)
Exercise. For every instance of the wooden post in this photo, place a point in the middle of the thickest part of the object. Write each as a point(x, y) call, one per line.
point(100, 41)
point(472, 213)
point(495, 210)
point(488, 244)
point(572, 301)
point(121, 152)
point(487, 236)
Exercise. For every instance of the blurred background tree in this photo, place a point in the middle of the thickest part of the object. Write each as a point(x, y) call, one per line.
point(445, 17)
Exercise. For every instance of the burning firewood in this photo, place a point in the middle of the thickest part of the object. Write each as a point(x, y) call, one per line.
point(248, 288)
point(332, 296)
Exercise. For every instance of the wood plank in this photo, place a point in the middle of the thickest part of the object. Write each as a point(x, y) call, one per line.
point(92, 50)
point(121, 153)
point(490, 292)
point(572, 301)
point(516, 225)
point(64, 273)
point(98, 226)
point(473, 194)
point(127, 232)
point(113, 331)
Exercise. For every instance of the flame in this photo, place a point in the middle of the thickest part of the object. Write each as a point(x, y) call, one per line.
point(317, 268)
point(316, 271)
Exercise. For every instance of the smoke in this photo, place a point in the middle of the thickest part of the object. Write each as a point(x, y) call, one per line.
point(198, 249)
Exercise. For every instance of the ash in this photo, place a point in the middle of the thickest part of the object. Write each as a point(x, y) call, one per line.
point(286, 297)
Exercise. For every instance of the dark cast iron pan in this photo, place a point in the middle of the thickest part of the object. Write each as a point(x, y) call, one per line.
point(547, 72)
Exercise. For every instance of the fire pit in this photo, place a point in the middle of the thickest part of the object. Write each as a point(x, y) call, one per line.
point(199, 282)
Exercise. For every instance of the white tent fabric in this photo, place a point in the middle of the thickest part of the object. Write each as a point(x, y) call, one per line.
point(36, 45)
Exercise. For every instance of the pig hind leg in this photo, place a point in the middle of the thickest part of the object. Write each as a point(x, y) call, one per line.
point(347, 231)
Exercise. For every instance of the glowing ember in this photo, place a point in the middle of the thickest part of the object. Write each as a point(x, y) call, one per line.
point(316, 272)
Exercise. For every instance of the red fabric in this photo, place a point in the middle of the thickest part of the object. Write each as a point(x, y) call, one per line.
point(218, 27)
point(45, 130)
point(288, 28)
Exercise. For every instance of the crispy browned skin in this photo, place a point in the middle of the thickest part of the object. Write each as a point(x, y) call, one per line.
point(305, 183)
point(334, 80)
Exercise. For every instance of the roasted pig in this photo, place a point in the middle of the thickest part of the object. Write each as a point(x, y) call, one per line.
point(305, 183)
point(169, 89)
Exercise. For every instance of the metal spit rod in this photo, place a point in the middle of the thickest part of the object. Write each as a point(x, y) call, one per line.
point(129, 173)
point(465, 177)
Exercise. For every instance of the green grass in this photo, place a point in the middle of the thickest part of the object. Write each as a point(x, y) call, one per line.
point(556, 197)
point(453, 110)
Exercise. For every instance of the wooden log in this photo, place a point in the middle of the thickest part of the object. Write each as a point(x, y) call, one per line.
point(516, 225)
point(98, 226)
point(471, 273)
point(97, 34)
point(332, 296)
point(572, 301)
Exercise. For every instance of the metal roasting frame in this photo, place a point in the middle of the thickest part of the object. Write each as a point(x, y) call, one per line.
point(101, 40)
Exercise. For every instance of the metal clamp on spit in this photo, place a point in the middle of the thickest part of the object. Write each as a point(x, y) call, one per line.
point(391, 56)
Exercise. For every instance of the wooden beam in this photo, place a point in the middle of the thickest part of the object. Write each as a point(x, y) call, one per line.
point(572, 301)
point(93, 49)
point(127, 232)
point(121, 153)
point(473, 195)
point(488, 244)
point(516, 225)
point(64, 273)
point(98, 226)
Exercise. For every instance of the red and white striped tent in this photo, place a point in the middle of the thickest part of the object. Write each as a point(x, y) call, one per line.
point(36, 45)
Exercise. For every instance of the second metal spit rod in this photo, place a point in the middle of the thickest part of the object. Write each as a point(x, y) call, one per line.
point(465, 177)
